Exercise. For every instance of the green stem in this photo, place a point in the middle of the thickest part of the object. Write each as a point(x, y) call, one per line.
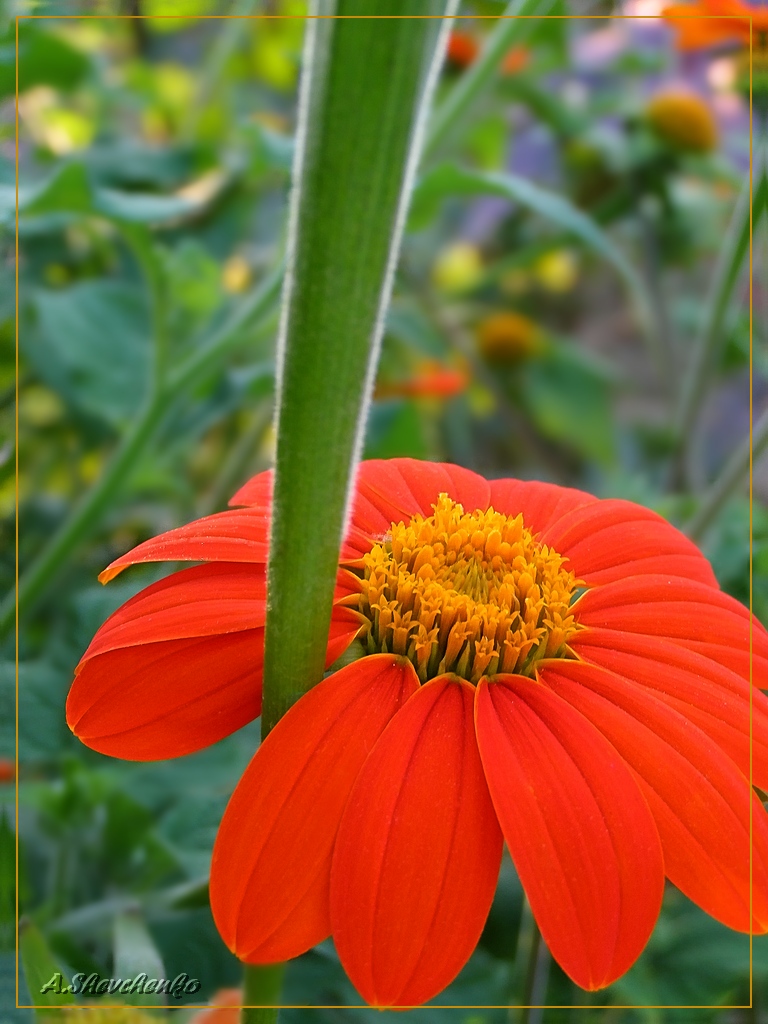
point(530, 971)
point(732, 478)
point(258, 306)
point(362, 104)
point(150, 262)
point(513, 26)
point(222, 48)
point(261, 993)
point(704, 360)
point(661, 334)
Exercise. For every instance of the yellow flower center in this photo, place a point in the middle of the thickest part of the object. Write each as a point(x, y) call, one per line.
point(469, 593)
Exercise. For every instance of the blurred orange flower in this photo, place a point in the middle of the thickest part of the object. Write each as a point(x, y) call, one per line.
point(224, 1008)
point(431, 380)
point(712, 22)
point(463, 48)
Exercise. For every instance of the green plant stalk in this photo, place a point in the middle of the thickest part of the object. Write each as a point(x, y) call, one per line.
point(261, 992)
point(512, 28)
point(85, 516)
point(703, 361)
point(732, 477)
point(140, 241)
point(222, 48)
point(362, 108)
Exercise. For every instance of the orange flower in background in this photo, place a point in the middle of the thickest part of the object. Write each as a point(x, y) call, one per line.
point(431, 380)
point(464, 48)
point(540, 668)
point(714, 22)
point(224, 1008)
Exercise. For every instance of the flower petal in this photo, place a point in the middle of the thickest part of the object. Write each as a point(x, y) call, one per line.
point(272, 857)
point(206, 600)
point(699, 798)
point(165, 699)
point(392, 490)
point(239, 535)
point(418, 852)
point(541, 504)
point(686, 612)
point(609, 540)
point(711, 696)
point(695, 32)
point(256, 492)
point(579, 831)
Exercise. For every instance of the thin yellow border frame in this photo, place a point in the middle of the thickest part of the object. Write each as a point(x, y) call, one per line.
point(279, 17)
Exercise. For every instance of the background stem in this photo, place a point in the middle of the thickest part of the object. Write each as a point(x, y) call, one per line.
point(732, 478)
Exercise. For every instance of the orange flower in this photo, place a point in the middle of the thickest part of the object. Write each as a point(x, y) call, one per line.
point(712, 22)
point(224, 1008)
point(432, 380)
point(541, 667)
point(463, 49)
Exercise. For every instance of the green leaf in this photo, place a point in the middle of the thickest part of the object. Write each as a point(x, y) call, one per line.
point(70, 192)
point(396, 430)
point(44, 59)
point(366, 83)
point(46, 981)
point(91, 343)
point(135, 953)
point(569, 400)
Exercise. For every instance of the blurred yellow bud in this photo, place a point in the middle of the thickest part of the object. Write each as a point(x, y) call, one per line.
point(175, 84)
point(236, 275)
point(508, 337)
point(556, 271)
point(458, 267)
point(273, 63)
point(683, 119)
point(90, 466)
point(482, 402)
point(64, 131)
point(39, 407)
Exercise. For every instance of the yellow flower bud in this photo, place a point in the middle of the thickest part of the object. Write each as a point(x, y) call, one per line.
point(683, 119)
point(236, 275)
point(508, 337)
point(556, 271)
point(457, 268)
